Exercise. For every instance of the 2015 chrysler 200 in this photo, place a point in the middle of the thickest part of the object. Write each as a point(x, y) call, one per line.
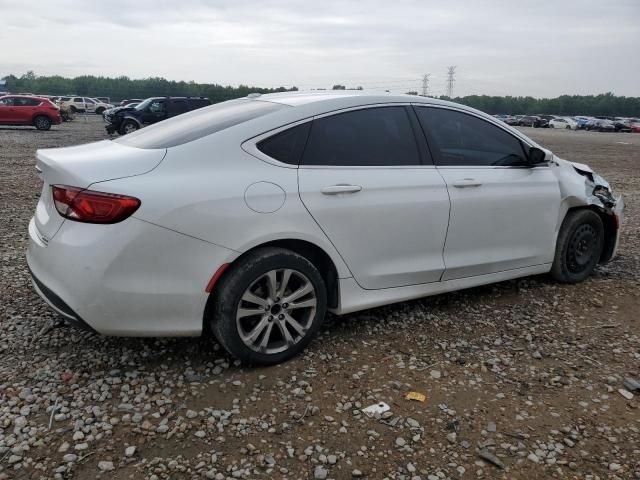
point(254, 217)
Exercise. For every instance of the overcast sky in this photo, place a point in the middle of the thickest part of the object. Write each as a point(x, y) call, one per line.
point(500, 47)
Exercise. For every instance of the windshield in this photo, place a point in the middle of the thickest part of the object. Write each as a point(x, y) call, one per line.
point(197, 123)
point(144, 104)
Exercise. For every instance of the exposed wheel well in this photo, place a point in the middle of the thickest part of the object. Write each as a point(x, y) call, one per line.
point(315, 255)
point(310, 251)
point(610, 230)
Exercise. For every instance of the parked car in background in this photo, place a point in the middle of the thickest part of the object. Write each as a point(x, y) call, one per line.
point(548, 118)
point(563, 122)
point(152, 110)
point(124, 103)
point(600, 125)
point(247, 217)
point(105, 100)
point(85, 104)
point(508, 119)
point(582, 121)
point(533, 121)
point(622, 124)
point(29, 110)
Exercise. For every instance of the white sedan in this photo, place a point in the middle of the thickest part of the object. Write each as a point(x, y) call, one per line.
point(563, 122)
point(255, 216)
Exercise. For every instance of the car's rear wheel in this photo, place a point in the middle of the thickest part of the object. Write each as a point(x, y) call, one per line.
point(128, 127)
point(269, 306)
point(568, 127)
point(42, 123)
point(579, 246)
point(99, 111)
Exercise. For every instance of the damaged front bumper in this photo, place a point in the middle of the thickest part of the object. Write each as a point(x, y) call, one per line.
point(618, 213)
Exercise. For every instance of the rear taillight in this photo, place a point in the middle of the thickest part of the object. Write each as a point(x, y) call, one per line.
point(92, 207)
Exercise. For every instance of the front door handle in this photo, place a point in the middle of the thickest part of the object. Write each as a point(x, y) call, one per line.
point(341, 188)
point(466, 183)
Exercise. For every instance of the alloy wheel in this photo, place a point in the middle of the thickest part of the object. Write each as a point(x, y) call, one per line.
point(276, 311)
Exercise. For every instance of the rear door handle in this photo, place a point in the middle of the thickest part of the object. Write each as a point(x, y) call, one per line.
point(466, 183)
point(341, 188)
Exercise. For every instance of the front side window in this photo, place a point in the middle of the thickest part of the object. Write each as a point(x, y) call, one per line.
point(157, 106)
point(380, 136)
point(458, 139)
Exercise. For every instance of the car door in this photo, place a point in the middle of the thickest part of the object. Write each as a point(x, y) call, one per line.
point(155, 112)
point(90, 104)
point(177, 106)
point(7, 111)
point(503, 212)
point(23, 109)
point(376, 195)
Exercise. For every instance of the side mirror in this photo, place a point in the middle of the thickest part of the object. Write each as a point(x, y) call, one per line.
point(537, 156)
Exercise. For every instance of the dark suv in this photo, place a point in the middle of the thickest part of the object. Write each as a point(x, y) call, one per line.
point(152, 110)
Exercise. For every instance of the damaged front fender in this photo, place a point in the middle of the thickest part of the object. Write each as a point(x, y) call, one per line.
point(580, 186)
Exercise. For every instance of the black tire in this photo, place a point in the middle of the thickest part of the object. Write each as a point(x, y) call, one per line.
point(579, 246)
point(238, 280)
point(73, 109)
point(568, 127)
point(99, 111)
point(42, 122)
point(128, 126)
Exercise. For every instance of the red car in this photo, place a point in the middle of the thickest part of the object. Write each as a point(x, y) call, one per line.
point(635, 127)
point(29, 110)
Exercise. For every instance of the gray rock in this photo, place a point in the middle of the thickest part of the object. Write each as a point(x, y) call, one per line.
point(105, 466)
point(320, 473)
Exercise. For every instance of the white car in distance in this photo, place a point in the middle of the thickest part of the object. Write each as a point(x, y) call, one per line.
point(563, 122)
point(84, 104)
point(255, 216)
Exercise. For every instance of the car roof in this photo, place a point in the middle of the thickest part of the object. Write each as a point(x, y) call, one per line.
point(23, 96)
point(354, 97)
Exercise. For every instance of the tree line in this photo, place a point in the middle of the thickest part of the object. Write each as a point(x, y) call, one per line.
point(606, 104)
point(123, 87)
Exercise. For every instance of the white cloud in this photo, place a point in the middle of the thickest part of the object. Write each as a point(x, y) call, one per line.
point(542, 48)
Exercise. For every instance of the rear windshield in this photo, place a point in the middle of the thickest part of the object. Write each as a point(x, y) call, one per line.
point(198, 123)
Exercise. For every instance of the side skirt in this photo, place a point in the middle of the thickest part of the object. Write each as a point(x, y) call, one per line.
point(354, 298)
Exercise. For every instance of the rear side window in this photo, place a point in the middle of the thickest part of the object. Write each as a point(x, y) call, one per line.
point(176, 107)
point(288, 145)
point(380, 136)
point(199, 123)
point(198, 103)
point(462, 139)
point(26, 102)
point(7, 102)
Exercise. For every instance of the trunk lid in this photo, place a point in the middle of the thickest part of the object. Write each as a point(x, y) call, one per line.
point(82, 166)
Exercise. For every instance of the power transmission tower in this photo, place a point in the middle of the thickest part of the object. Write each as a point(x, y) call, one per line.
point(451, 71)
point(425, 85)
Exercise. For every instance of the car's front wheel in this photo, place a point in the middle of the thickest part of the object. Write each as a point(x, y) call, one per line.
point(42, 123)
point(128, 127)
point(268, 306)
point(579, 246)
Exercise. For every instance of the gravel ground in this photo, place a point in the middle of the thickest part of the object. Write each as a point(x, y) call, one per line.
point(521, 378)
